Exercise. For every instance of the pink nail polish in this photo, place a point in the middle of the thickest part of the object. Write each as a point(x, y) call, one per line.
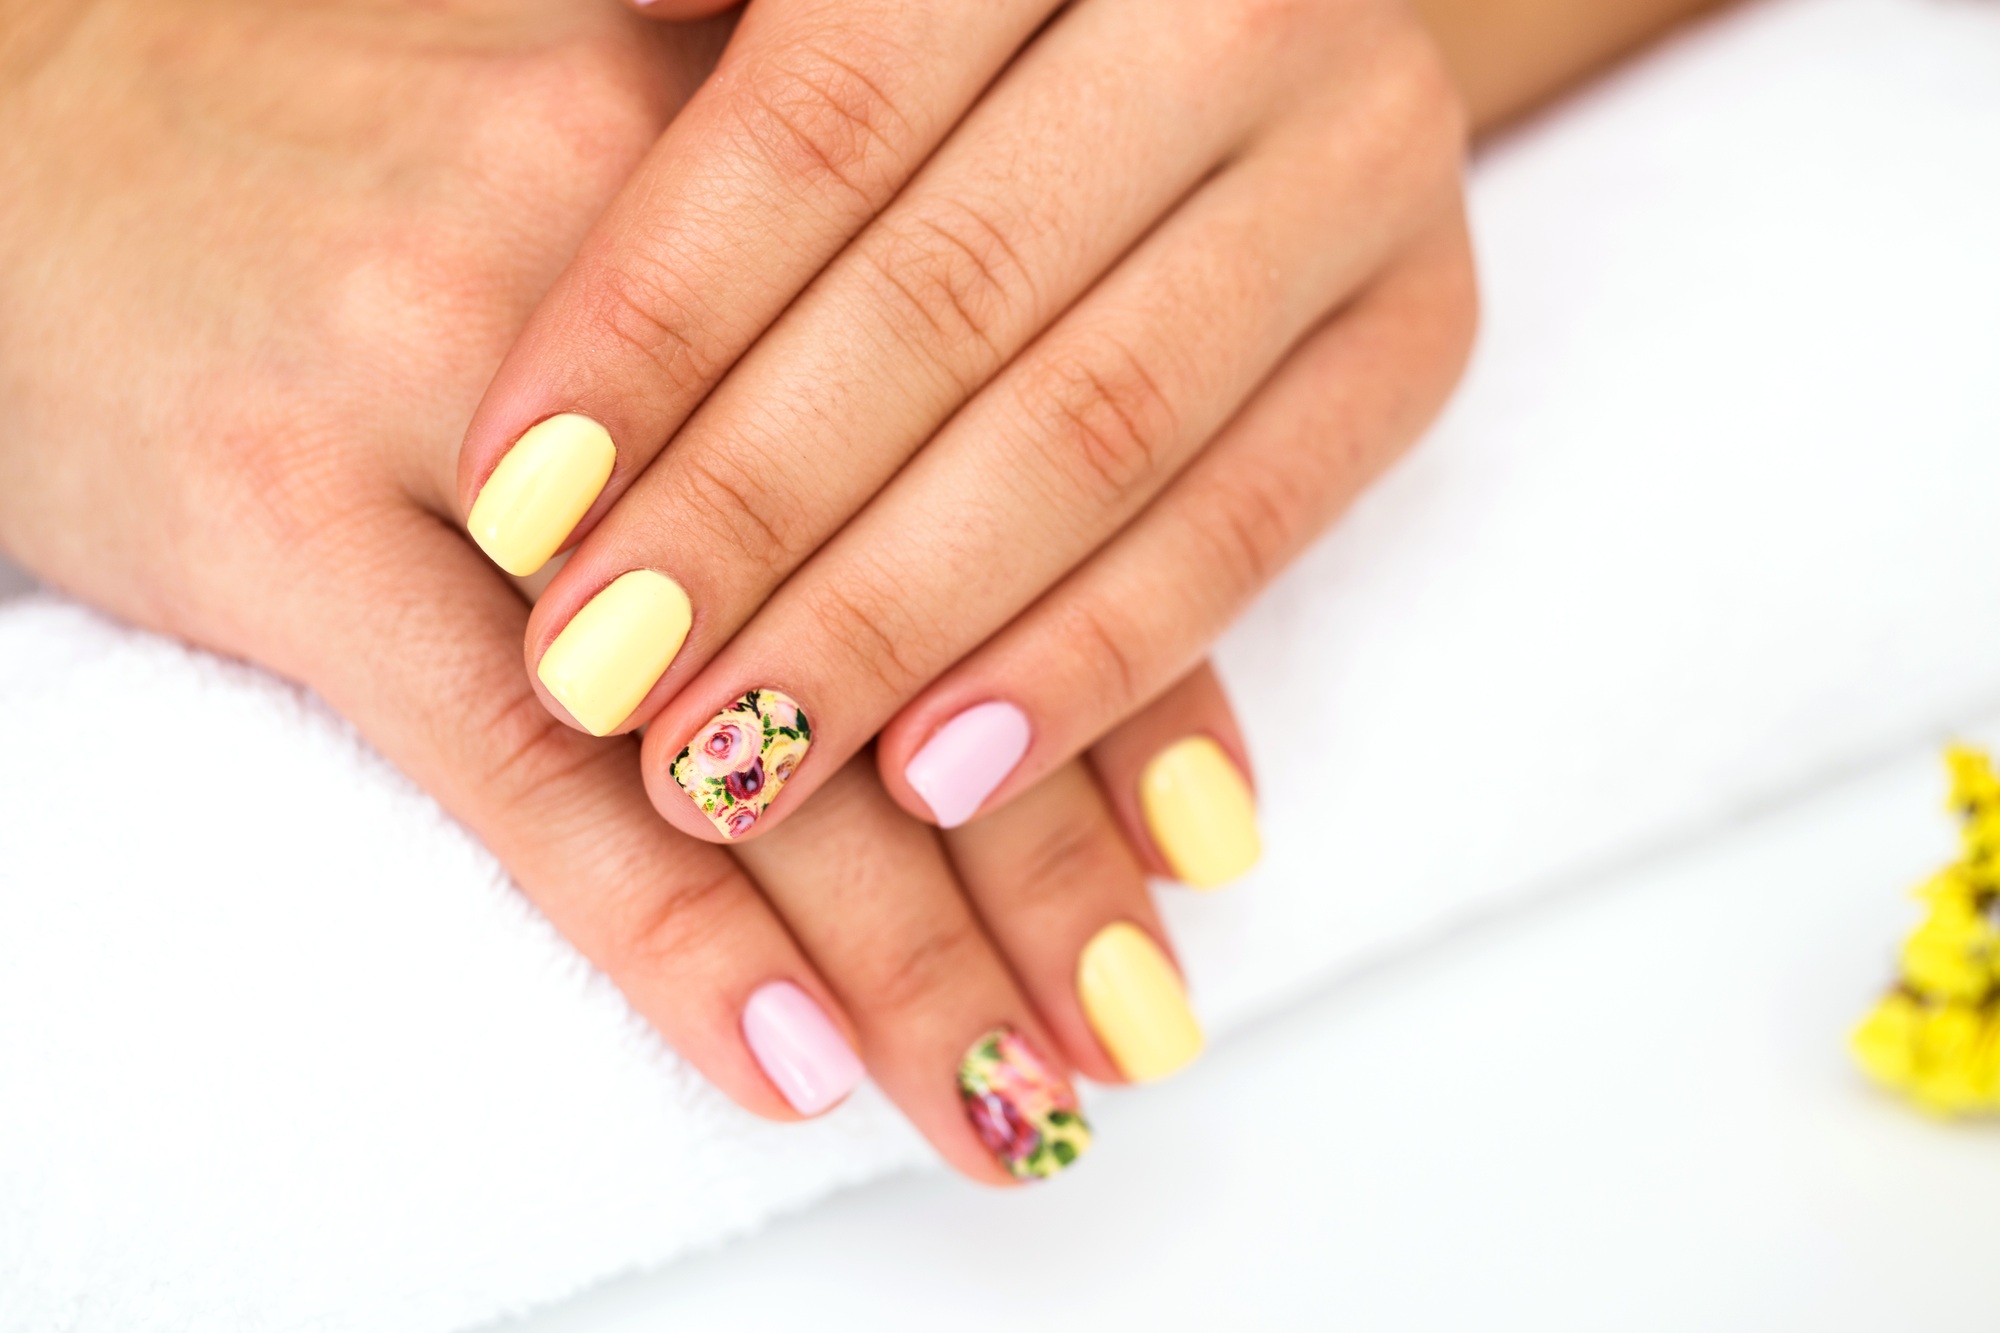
point(799, 1048)
point(967, 758)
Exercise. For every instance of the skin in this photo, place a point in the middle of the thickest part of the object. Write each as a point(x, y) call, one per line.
point(258, 263)
point(1042, 325)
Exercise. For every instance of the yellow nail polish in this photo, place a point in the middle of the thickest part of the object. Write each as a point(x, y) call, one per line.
point(1135, 1003)
point(545, 484)
point(616, 647)
point(1200, 812)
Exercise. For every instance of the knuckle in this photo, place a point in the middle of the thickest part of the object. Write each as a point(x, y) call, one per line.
point(1104, 417)
point(870, 633)
point(728, 496)
point(957, 278)
point(824, 113)
point(1072, 852)
point(1414, 107)
point(529, 756)
point(929, 965)
point(1103, 639)
point(1243, 541)
point(672, 921)
point(643, 304)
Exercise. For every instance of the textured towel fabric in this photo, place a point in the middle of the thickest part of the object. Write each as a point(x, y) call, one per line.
point(280, 1048)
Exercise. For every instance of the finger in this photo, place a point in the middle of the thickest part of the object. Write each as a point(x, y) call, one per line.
point(999, 233)
point(817, 114)
point(417, 646)
point(1177, 775)
point(1065, 899)
point(1058, 453)
point(1145, 608)
point(945, 1031)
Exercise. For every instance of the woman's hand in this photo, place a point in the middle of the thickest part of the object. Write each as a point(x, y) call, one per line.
point(256, 262)
point(1005, 351)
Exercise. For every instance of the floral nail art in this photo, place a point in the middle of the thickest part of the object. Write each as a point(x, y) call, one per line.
point(736, 765)
point(1025, 1115)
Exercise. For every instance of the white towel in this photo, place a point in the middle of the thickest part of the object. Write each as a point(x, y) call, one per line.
point(280, 1048)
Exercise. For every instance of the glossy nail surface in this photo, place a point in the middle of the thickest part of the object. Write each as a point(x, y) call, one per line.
point(966, 758)
point(736, 765)
point(1200, 812)
point(534, 498)
point(1136, 1004)
point(799, 1048)
point(616, 647)
point(1025, 1115)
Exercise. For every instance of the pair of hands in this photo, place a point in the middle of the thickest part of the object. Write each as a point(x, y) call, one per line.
point(1004, 351)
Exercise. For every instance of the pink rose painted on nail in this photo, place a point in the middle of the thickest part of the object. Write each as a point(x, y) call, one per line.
point(727, 743)
point(745, 783)
point(1022, 1111)
point(735, 766)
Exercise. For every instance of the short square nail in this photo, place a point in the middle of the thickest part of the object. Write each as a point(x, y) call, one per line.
point(1200, 812)
point(616, 648)
point(967, 758)
point(736, 765)
point(541, 489)
point(1022, 1111)
point(798, 1047)
point(1136, 1004)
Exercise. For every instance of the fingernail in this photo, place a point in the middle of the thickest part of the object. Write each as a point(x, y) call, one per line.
point(736, 765)
point(799, 1048)
point(966, 758)
point(616, 647)
point(1136, 1004)
point(1200, 813)
point(547, 481)
point(1025, 1115)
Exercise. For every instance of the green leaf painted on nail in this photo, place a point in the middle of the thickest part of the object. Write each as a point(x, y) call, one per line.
point(1063, 1151)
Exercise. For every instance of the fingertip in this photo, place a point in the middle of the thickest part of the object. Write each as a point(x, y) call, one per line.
point(800, 1048)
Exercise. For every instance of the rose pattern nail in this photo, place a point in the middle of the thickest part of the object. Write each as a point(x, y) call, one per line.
point(736, 765)
point(1025, 1115)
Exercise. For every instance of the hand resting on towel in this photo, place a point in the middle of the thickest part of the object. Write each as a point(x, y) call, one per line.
point(257, 263)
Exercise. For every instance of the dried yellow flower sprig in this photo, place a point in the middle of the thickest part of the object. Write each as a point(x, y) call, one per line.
point(1936, 1036)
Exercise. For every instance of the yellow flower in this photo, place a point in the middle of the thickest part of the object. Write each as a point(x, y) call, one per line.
point(1947, 1072)
point(1886, 1041)
point(1936, 1038)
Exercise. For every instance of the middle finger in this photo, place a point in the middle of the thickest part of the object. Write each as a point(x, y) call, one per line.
point(1071, 441)
point(1064, 165)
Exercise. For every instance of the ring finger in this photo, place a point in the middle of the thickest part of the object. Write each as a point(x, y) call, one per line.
point(943, 1028)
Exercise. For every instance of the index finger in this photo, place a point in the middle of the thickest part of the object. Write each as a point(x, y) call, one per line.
point(818, 113)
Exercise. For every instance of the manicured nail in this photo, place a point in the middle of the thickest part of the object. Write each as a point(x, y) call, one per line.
point(799, 1048)
point(1136, 1004)
point(736, 765)
point(1200, 812)
point(616, 647)
point(1025, 1115)
point(532, 501)
point(966, 758)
